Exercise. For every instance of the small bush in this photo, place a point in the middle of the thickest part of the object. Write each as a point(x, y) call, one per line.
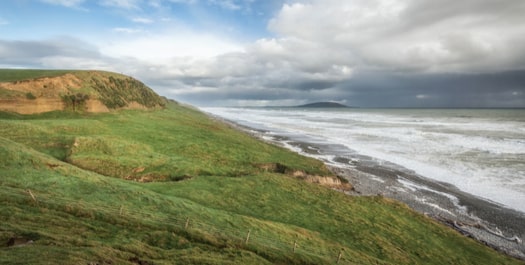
point(75, 102)
point(30, 96)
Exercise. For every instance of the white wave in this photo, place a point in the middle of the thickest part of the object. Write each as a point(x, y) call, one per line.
point(480, 152)
point(413, 186)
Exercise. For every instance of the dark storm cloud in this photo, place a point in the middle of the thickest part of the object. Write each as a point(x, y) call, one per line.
point(388, 53)
point(423, 12)
point(437, 90)
point(375, 89)
point(309, 85)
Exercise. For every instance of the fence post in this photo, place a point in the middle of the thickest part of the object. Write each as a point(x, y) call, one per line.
point(247, 237)
point(187, 223)
point(121, 209)
point(295, 246)
point(32, 196)
point(340, 255)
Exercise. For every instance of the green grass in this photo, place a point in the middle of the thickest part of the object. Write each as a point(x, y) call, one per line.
point(80, 169)
point(12, 75)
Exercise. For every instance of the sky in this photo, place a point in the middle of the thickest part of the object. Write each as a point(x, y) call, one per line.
point(363, 53)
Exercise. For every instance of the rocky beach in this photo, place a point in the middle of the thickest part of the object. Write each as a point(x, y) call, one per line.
point(498, 227)
point(489, 223)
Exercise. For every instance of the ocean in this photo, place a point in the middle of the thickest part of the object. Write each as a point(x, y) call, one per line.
point(479, 151)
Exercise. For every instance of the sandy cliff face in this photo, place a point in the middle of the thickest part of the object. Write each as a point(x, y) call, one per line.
point(93, 105)
point(46, 87)
point(27, 106)
point(46, 94)
point(40, 105)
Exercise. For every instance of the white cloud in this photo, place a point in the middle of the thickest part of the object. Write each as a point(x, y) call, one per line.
point(227, 4)
point(67, 3)
point(3, 22)
point(125, 4)
point(127, 30)
point(162, 47)
point(76, 62)
point(184, 1)
point(142, 20)
point(192, 90)
point(409, 35)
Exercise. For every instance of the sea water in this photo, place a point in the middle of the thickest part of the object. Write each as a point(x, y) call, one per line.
point(480, 151)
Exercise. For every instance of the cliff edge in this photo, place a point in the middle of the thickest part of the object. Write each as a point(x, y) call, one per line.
point(38, 91)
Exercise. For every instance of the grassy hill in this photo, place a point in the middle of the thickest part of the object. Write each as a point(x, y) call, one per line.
point(14, 75)
point(173, 186)
point(37, 91)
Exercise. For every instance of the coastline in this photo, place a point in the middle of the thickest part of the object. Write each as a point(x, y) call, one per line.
point(495, 226)
point(498, 227)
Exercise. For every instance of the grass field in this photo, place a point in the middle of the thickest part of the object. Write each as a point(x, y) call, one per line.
point(173, 186)
point(11, 75)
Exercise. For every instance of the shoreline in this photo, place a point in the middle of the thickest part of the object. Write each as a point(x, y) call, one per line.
point(494, 225)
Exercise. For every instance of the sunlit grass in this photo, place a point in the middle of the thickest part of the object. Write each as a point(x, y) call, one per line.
point(11, 75)
point(208, 193)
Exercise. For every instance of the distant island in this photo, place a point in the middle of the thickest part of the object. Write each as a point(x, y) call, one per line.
point(323, 105)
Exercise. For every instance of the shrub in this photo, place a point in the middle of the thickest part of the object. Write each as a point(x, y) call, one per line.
point(30, 95)
point(75, 102)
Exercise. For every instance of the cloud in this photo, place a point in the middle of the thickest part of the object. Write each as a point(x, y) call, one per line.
point(457, 90)
point(372, 52)
point(227, 4)
point(67, 53)
point(66, 3)
point(142, 20)
point(424, 36)
point(378, 53)
point(58, 53)
point(183, 1)
point(164, 46)
point(247, 78)
point(127, 30)
point(3, 22)
point(125, 4)
point(24, 52)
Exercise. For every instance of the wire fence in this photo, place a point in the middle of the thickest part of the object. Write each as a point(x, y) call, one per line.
point(262, 241)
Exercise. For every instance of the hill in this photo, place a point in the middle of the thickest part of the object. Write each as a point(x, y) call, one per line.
point(38, 91)
point(323, 105)
point(174, 186)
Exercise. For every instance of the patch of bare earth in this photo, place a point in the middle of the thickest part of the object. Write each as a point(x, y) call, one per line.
point(332, 182)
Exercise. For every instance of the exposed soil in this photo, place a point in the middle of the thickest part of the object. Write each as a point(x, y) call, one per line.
point(45, 95)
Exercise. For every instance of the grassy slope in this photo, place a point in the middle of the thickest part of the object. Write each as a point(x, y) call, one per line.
point(82, 216)
point(11, 75)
